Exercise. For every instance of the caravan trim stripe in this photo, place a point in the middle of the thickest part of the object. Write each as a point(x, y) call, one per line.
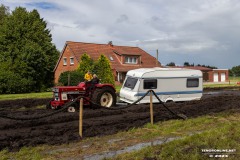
point(166, 77)
point(170, 93)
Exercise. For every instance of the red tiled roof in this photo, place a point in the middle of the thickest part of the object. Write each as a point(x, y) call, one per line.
point(95, 50)
point(199, 68)
point(194, 67)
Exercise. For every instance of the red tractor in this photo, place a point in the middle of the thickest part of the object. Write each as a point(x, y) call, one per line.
point(102, 94)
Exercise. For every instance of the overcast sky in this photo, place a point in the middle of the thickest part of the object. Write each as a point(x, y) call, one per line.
point(195, 31)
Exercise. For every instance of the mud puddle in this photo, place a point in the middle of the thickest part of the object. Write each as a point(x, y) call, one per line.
point(136, 147)
point(132, 148)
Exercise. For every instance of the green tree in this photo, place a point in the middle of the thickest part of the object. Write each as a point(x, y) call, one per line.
point(212, 67)
point(26, 48)
point(11, 82)
point(235, 71)
point(86, 64)
point(4, 12)
point(75, 78)
point(186, 64)
point(103, 70)
point(171, 64)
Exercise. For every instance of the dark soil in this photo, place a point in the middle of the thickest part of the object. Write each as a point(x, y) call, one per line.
point(63, 127)
point(26, 103)
point(222, 88)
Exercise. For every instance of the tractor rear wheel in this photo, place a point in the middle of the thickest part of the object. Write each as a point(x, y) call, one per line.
point(105, 97)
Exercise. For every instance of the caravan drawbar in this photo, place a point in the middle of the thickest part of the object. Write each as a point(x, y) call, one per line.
point(170, 84)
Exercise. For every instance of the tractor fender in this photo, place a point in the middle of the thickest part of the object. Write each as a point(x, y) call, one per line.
point(105, 85)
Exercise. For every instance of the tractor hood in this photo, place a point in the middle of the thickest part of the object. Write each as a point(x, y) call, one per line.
point(79, 87)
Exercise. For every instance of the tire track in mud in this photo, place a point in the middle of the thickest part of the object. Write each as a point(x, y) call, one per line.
point(63, 127)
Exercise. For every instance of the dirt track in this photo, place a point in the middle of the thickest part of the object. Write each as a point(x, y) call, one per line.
point(63, 127)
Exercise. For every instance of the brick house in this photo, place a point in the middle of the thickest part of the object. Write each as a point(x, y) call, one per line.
point(122, 58)
point(211, 75)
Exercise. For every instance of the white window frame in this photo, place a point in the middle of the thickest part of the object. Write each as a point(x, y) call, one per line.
point(71, 61)
point(64, 61)
point(131, 60)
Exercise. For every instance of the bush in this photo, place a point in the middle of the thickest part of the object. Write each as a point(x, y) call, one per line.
point(75, 78)
point(235, 71)
point(13, 83)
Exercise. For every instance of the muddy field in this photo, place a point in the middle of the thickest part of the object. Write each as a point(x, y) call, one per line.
point(63, 127)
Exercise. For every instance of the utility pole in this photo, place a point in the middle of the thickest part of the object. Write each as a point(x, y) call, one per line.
point(157, 58)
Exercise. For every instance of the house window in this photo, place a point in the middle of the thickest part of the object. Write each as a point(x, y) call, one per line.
point(131, 60)
point(193, 82)
point(150, 84)
point(71, 60)
point(64, 61)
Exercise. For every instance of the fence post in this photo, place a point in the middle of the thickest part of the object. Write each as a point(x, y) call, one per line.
point(81, 117)
point(151, 108)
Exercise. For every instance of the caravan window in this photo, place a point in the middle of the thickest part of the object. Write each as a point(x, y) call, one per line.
point(150, 84)
point(193, 82)
point(130, 82)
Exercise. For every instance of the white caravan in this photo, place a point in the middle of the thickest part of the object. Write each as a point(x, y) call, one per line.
point(170, 84)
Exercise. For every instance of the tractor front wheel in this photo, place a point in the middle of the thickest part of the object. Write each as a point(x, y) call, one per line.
point(105, 97)
point(49, 106)
point(73, 107)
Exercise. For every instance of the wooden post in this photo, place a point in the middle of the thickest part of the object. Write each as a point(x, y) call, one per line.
point(81, 117)
point(151, 108)
point(69, 79)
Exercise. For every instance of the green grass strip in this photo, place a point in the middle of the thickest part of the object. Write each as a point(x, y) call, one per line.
point(224, 136)
point(26, 95)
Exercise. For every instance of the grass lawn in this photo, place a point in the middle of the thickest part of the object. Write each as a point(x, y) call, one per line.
point(234, 79)
point(231, 83)
point(218, 131)
point(25, 95)
point(118, 87)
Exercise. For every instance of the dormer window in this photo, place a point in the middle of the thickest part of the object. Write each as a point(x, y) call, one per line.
point(111, 58)
point(131, 60)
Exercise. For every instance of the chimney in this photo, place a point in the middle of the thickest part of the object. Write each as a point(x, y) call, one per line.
point(110, 43)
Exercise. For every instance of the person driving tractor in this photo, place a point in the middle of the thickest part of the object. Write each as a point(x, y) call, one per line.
point(88, 76)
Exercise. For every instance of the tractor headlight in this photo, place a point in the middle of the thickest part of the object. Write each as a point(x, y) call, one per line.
point(56, 96)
